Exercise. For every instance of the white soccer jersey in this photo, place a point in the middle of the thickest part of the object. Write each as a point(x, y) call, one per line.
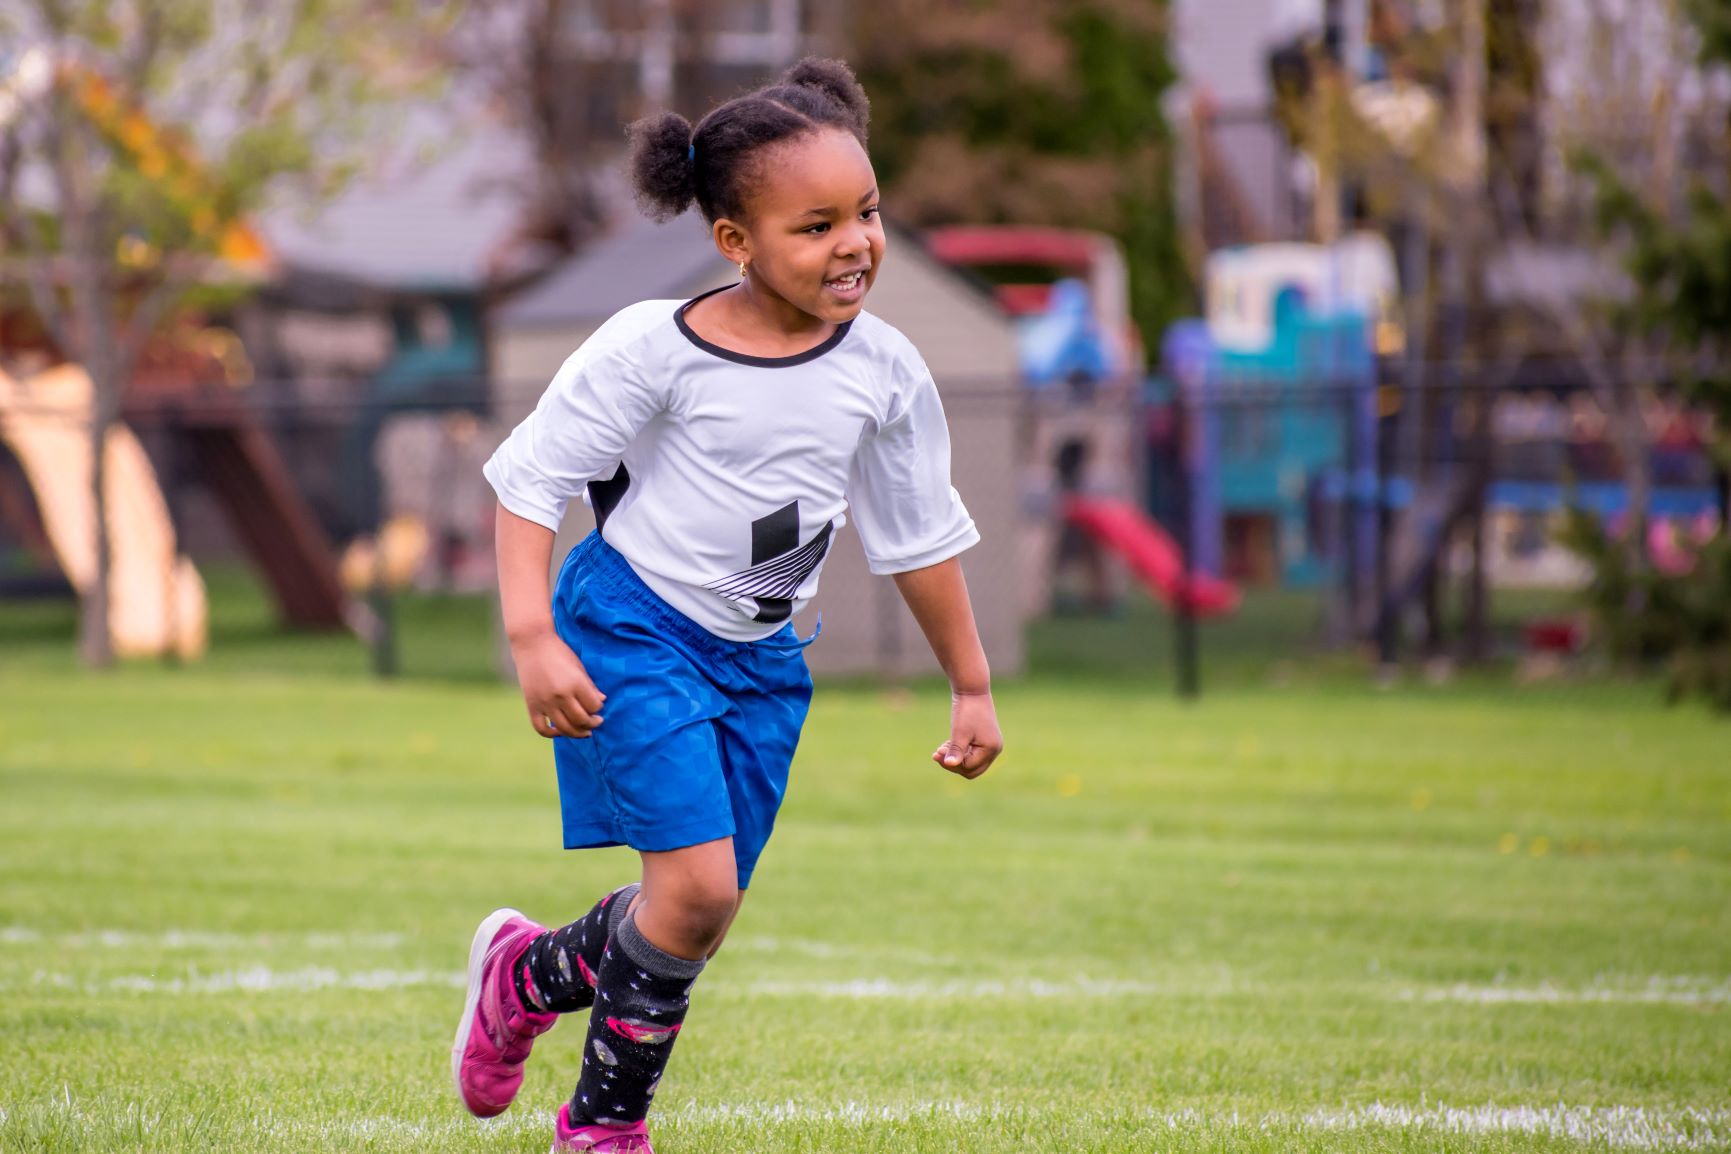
point(723, 477)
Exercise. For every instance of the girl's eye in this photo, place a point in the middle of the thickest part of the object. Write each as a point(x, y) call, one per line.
point(820, 229)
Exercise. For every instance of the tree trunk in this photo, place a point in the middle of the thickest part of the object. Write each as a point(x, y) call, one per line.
point(1467, 123)
point(94, 342)
point(95, 639)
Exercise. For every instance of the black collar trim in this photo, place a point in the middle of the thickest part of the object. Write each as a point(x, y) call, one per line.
point(810, 354)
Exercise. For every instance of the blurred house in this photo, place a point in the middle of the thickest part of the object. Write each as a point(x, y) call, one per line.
point(968, 343)
point(376, 316)
point(368, 348)
point(1242, 182)
point(672, 54)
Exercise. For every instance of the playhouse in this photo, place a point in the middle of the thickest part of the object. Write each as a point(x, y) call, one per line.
point(1278, 386)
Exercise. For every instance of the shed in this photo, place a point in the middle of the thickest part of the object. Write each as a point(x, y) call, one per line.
point(968, 343)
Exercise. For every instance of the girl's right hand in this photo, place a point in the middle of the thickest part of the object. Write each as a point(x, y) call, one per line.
point(562, 701)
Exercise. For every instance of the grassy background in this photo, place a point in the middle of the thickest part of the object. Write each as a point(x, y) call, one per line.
point(1300, 915)
point(1272, 638)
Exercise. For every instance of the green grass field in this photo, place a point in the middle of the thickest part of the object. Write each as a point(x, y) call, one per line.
point(235, 905)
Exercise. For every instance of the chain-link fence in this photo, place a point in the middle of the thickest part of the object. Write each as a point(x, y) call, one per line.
point(1160, 531)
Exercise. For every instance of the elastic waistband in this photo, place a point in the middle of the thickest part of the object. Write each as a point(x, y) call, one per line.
point(604, 561)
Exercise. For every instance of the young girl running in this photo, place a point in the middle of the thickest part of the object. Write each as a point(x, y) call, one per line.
point(720, 441)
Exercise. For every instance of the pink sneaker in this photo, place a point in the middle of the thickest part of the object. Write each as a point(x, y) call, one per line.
point(569, 1139)
point(497, 1030)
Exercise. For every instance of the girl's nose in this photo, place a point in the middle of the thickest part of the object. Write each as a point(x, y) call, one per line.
point(851, 241)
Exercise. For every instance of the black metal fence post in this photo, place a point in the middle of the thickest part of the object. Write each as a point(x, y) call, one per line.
point(1185, 647)
point(1386, 619)
point(384, 641)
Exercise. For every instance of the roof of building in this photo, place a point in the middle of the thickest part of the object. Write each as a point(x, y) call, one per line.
point(432, 226)
point(643, 260)
point(640, 261)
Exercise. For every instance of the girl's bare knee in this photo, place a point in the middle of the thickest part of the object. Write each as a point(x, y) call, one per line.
point(702, 908)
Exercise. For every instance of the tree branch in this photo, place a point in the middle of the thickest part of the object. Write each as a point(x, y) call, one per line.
point(137, 62)
point(1590, 352)
point(147, 316)
point(19, 230)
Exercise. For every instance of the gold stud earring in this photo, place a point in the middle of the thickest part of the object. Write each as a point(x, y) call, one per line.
point(741, 270)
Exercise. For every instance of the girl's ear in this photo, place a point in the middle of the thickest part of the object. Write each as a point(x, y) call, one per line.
point(732, 241)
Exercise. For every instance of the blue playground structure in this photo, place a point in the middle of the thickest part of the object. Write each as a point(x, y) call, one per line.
point(1279, 435)
point(1275, 395)
point(439, 357)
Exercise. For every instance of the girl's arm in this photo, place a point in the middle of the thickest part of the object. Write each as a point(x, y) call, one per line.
point(938, 597)
point(555, 687)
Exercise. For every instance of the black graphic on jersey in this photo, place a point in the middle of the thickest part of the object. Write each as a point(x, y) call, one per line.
point(604, 496)
point(779, 564)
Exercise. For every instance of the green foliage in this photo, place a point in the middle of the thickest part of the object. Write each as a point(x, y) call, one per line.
point(1679, 267)
point(1679, 623)
point(1059, 125)
point(1712, 20)
point(1701, 666)
point(308, 90)
point(1635, 611)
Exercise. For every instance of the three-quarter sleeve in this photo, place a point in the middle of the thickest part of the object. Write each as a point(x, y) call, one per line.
point(593, 409)
point(908, 514)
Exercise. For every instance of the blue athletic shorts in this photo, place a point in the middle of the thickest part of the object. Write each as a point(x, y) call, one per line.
point(698, 732)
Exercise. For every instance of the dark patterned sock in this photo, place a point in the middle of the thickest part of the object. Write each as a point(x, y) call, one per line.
point(557, 972)
point(639, 1008)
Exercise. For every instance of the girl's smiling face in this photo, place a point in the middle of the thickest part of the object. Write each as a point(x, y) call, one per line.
point(813, 238)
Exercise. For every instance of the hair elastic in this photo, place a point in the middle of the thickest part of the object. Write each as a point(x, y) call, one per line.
point(691, 153)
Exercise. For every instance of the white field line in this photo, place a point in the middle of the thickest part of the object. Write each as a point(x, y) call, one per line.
point(263, 979)
point(1609, 989)
point(176, 939)
point(197, 940)
point(257, 980)
point(886, 989)
point(1656, 990)
point(814, 948)
point(1625, 1127)
point(1619, 1127)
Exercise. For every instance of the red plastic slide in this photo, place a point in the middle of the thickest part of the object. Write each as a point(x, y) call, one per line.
point(1150, 551)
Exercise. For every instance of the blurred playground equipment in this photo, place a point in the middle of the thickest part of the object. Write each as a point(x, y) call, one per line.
point(210, 435)
point(387, 561)
point(156, 603)
point(437, 358)
point(204, 422)
point(1080, 362)
point(1278, 390)
point(1152, 555)
point(1068, 287)
point(184, 406)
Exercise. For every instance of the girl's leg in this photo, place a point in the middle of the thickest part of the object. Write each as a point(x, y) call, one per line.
point(556, 974)
point(689, 898)
point(739, 900)
point(643, 985)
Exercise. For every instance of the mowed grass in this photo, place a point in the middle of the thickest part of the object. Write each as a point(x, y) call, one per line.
point(235, 906)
